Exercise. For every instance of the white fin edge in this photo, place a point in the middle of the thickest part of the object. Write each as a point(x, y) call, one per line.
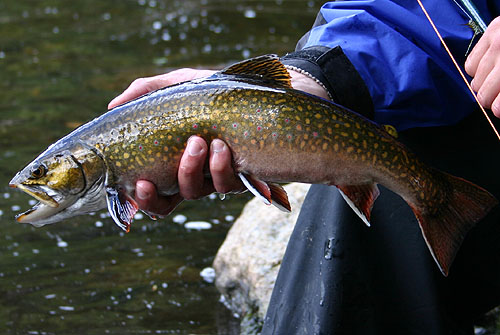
point(252, 189)
point(354, 208)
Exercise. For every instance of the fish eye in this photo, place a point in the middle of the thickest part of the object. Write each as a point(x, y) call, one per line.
point(38, 171)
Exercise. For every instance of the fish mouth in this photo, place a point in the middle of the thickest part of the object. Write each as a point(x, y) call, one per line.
point(46, 207)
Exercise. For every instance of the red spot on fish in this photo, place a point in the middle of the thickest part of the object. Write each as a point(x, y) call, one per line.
point(287, 120)
point(178, 139)
point(259, 128)
point(258, 110)
point(195, 126)
point(214, 126)
point(140, 147)
point(156, 142)
point(235, 125)
point(245, 134)
point(289, 137)
point(315, 134)
point(275, 135)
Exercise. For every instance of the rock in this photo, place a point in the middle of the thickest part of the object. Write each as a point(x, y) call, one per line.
point(248, 261)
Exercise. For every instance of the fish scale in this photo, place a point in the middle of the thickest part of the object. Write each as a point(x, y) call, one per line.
point(275, 134)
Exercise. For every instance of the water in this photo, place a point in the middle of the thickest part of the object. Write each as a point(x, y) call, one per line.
point(61, 62)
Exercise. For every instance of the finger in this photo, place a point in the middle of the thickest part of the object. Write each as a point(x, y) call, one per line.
point(221, 169)
point(484, 68)
point(148, 200)
point(495, 106)
point(473, 60)
point(489, 88)
point(142, 86)
point(190, 174)
point(137, 88)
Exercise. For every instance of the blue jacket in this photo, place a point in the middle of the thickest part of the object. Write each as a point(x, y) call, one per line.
point(408, 74)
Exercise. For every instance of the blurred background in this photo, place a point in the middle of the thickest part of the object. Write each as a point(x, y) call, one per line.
point(61, 62)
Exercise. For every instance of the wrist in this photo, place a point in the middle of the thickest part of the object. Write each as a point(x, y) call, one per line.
point(304, 81)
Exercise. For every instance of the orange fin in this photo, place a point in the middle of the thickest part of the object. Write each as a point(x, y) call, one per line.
point(279, 198)
point(269, 193)
point(444, 228)
point(121, 207)
point(360, 198)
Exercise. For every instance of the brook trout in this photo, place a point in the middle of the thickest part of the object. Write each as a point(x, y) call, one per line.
point(276, 134)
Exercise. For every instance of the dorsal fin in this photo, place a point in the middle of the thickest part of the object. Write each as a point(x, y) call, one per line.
point(267, 67)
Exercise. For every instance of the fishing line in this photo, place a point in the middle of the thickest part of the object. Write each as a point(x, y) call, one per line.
point(458, 67)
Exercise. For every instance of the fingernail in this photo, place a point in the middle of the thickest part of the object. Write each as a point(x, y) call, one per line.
point(194, 148)
point(141, 193)
point(472, 85)
point(218, 146)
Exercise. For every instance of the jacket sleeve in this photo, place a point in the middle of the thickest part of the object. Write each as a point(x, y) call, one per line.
point(387, 50)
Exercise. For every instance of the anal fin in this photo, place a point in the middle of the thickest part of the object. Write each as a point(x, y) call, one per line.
point(121, 207)
point(360, 198)
point(269, 193)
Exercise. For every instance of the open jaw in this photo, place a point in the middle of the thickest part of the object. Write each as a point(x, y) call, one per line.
point(49, 204)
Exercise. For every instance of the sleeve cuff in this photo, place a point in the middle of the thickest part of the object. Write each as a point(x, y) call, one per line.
point(337, 74)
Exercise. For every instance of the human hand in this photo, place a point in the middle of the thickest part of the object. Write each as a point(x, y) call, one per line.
point(191, 179)
point(483, 64)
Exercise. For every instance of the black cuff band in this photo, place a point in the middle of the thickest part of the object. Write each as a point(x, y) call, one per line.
point(338, 75)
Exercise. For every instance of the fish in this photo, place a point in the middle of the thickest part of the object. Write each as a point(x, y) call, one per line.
point(276, 135)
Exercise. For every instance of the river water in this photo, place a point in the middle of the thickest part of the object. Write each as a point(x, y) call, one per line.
point(61, 62)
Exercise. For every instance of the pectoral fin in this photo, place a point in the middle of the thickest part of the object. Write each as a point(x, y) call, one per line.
point(270, 193)
point(361, 199)
point(121, 207)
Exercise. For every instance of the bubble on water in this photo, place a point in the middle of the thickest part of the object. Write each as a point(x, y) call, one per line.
point(67, 308)
point(212, 196)
point(99, 224)
point(138, 216)
point(208, 274)
point(215, 221)
point(207, 48)
point(32, 202)
point(50, 296)
point(250, 14)
point(61, 243)
point(179, 218)
point(106, 16)
point(229, 218)
point(164, 285)
point(15, 208)
point(198, 225)
point(157, 25)
point(87, 271)
point(246, 53)
point(15, 254)
point(1, 212)
point(166, 36)
point(35, 251)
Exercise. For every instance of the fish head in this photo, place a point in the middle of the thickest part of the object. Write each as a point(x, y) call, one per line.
point(67, 180)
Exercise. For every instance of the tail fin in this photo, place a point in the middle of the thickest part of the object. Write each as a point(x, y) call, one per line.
point(444, 229)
